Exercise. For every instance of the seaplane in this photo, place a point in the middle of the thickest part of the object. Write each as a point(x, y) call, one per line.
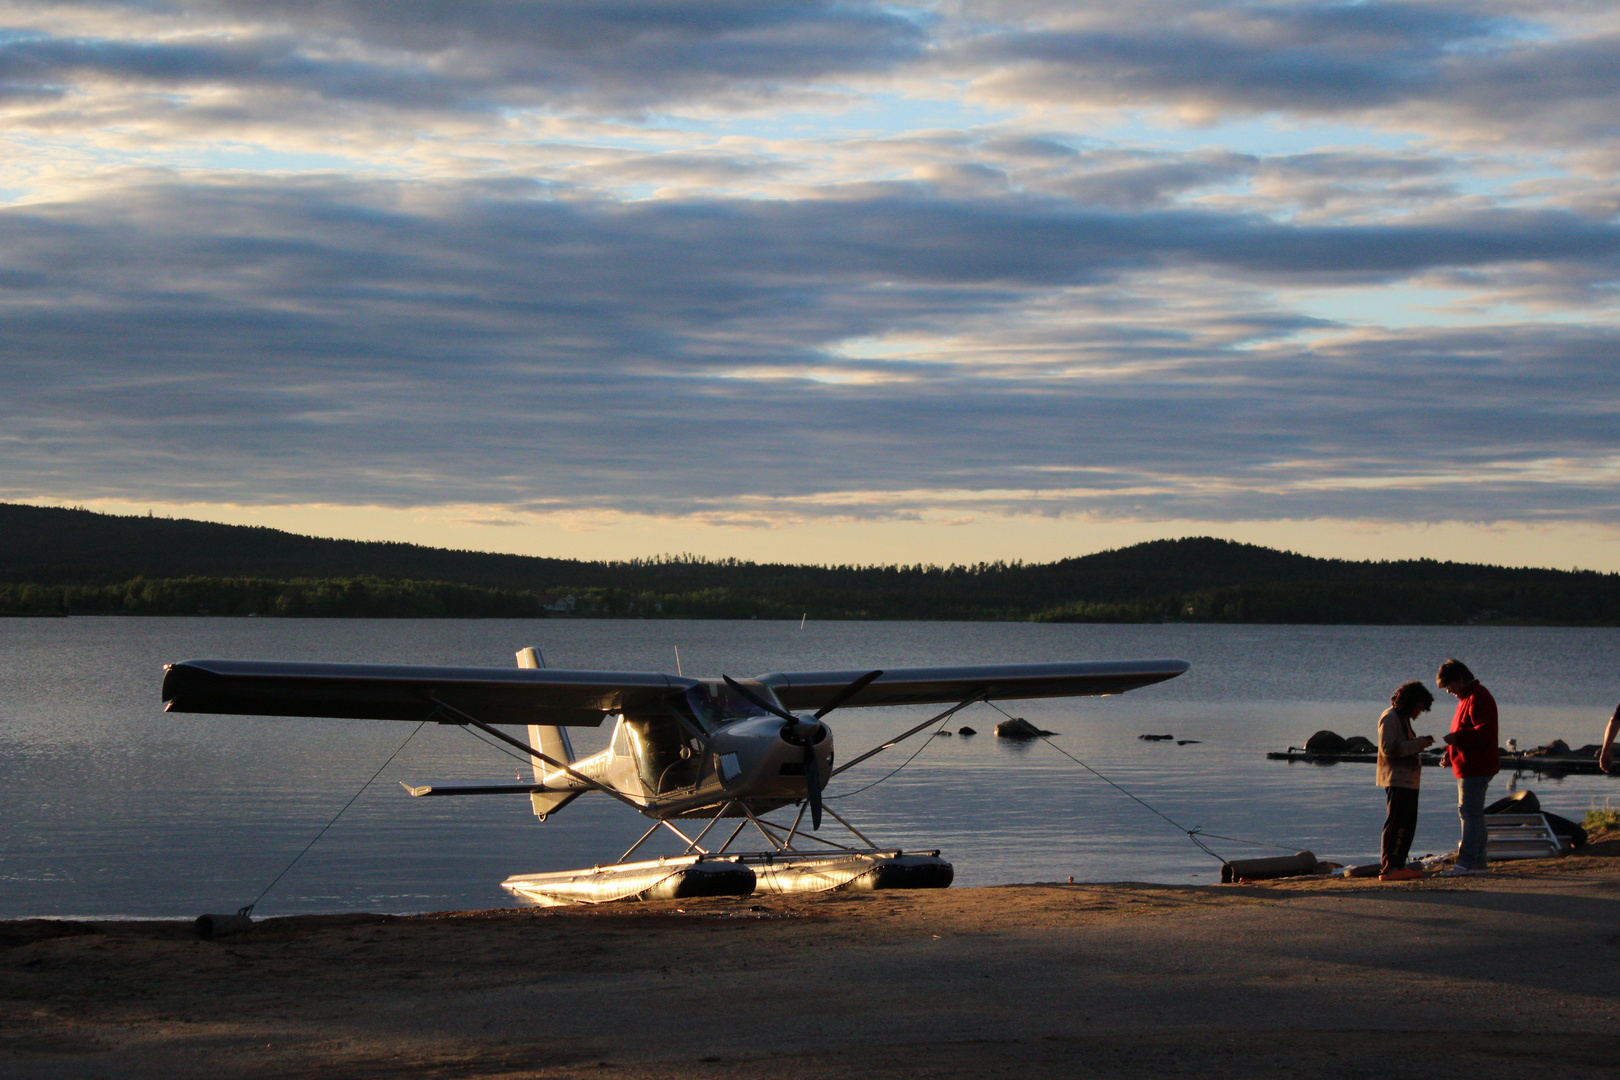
point(698, 750)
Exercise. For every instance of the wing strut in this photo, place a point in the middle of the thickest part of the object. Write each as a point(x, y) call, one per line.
point(977, 696)
point(532, 752)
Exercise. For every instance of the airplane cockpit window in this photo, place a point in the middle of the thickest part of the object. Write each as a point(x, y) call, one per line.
point(666, 752)
point(715, 703)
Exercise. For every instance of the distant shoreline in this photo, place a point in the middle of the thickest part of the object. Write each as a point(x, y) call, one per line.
point(76, 562)
point(608, 617)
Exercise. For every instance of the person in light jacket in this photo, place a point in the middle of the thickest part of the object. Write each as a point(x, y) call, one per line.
point(1606, 748)
point(1400, 772)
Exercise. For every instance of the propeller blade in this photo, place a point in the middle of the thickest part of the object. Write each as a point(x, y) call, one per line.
point(749, 695)
point(846, 693)
point(812, 780)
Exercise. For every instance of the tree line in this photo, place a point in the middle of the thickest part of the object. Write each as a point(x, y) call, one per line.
point(366, 597)
point(78, 562)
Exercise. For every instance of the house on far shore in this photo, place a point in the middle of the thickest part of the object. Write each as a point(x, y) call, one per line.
point(561, 604)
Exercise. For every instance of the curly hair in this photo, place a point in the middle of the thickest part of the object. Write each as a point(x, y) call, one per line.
point(1412, 697)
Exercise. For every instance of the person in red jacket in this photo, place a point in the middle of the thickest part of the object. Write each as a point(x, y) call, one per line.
point(1472, 754)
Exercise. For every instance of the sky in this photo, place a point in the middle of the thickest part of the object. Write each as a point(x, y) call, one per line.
point(820, 281)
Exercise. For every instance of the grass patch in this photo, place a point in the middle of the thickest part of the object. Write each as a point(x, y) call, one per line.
point(1601, 817)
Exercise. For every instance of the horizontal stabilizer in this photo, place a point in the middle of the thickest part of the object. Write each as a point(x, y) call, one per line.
point(472, 787)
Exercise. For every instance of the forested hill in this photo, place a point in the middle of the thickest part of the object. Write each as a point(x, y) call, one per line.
point(59, 561)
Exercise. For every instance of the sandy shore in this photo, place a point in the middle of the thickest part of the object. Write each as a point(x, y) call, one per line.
point(1511, 974)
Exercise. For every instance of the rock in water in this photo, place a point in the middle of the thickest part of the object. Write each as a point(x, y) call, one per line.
point(964, 730)
point(1019, 728)
point(1325, 742)
point(1155, 738)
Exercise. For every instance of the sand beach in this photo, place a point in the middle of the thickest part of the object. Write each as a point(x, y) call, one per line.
point(1513, 974)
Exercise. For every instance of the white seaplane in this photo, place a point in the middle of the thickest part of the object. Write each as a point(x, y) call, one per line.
point(682, 748)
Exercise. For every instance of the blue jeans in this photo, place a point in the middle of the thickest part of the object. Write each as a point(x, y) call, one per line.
point(1471, 808)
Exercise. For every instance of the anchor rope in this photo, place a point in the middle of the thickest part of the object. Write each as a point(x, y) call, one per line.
point(1192, 834)
point(248, 910)
point(926, 743)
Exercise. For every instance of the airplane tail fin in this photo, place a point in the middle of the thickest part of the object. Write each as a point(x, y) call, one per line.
point(550, 741)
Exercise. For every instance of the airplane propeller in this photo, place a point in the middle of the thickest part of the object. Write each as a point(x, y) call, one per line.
point(796, 732)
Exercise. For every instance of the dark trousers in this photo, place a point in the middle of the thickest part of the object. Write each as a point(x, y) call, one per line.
point(1400, 825)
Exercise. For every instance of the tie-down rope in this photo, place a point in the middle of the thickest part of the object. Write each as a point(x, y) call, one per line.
point(1193, 833)
point(248, 910)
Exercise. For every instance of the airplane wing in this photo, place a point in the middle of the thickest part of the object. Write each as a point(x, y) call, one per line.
point(995, 682)
point(402, 692)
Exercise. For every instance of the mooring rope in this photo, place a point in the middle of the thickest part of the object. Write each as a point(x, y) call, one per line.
point(926, 743)
point(1192, 834)
point(248, 910)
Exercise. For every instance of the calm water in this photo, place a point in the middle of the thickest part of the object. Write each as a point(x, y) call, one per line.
point(108, 806)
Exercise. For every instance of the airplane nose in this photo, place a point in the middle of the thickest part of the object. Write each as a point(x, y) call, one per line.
point(804, 733)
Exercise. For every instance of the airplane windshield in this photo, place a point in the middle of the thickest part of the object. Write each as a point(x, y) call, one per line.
point(666, 752)
point(715, 703)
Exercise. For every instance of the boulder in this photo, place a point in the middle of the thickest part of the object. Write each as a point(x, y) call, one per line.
point(1325, 742)
point(1557, 746)
point(1359, 744)
point(964, 730)
point(1019, 728)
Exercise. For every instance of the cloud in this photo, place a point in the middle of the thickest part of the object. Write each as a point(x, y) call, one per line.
point(339, 341)
point(1540, 71)
point(275, 60)
point(1535, 71)
point(590, 259)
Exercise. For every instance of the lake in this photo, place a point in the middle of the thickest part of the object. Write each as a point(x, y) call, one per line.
point(113, 808)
